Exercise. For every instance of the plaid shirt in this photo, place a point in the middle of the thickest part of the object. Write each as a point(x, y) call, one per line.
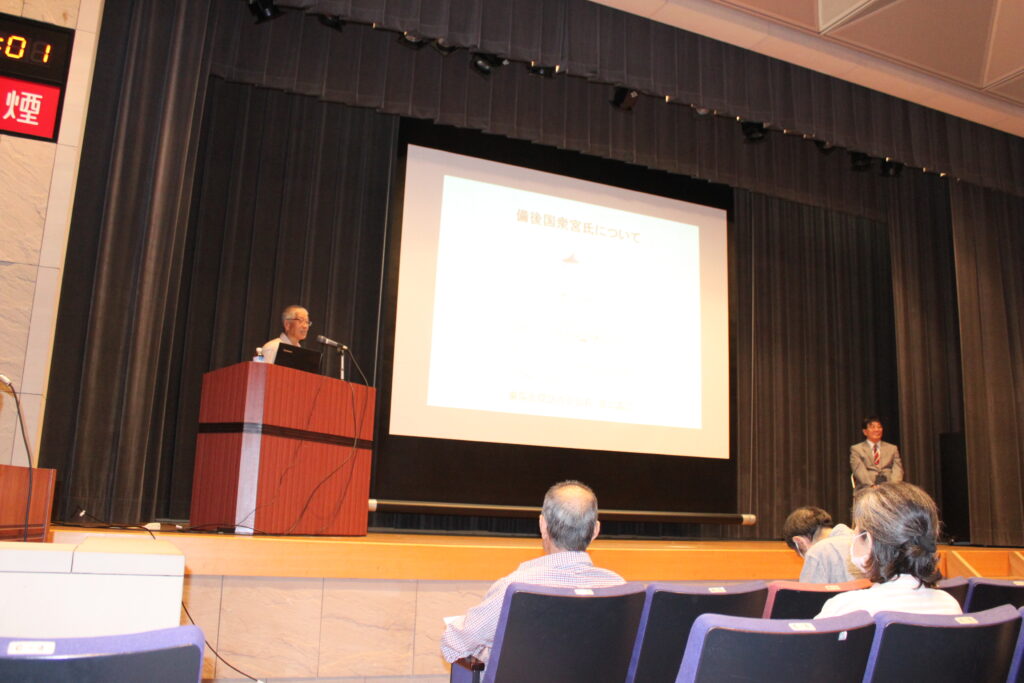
point(567, 569)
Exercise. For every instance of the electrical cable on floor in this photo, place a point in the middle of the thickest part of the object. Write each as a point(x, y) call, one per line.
point(214, 651)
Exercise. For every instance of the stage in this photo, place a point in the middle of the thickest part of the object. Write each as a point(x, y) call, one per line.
point(359, 608)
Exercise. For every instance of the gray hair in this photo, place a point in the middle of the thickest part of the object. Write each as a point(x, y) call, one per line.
point(286, 314)
point(903, 523)
point(571, 516)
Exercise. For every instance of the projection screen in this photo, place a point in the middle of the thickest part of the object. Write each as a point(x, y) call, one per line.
point(550, 311)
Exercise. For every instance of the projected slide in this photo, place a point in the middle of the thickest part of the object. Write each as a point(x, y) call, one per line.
point(546, 310)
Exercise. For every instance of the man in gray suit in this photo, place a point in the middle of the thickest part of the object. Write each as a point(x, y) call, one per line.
point(874, 461)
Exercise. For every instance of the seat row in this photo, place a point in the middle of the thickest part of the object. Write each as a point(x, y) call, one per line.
point(747, 631)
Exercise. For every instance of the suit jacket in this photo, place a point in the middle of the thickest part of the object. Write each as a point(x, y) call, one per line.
point(862, 462)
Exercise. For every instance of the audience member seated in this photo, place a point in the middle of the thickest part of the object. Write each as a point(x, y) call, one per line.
point(895, 526)
point(568, 523)
point(824, 548)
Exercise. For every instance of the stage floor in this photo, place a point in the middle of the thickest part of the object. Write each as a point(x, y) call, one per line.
point(484, 558)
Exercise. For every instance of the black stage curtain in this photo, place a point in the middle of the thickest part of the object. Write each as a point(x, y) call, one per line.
point(112, 372)
point(179, 217)
point(988, 235)
point(290, 207)
point(815, 350)
point(927, 336)
point(608, 46)
point(196, 194)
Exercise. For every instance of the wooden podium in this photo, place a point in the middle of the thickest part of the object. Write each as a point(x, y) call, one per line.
point(13, 489)
point(281, 451)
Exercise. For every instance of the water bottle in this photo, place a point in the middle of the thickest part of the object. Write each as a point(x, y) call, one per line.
point(258, 358)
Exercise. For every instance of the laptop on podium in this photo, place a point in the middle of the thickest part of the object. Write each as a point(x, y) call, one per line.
point(296, 357)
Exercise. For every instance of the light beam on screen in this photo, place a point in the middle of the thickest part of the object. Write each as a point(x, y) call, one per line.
point(545, 310)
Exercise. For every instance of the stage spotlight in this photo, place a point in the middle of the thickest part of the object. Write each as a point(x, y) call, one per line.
point(545, 71)
point(483, 62)
point(889, 168)
point(752, 131)
point(624, 98)
point(860, 161)
point(444, 47)
point(264, 10)
point(331, 21)
point(411, 40)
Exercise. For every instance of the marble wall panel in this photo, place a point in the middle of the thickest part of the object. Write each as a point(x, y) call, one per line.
point(59, 12)
point(39, 344)
point(8, 426)
point(367, 628)
point(31, 408)
point(436, 600)
point(17, 289)
point(270, 627)
point(202, 596)
point(90, 13)
point(25, 170)
point(58, 209)
point(76, 95)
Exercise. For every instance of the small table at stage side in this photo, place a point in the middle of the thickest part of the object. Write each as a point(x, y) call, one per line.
point(13, 493)
point(282, 451)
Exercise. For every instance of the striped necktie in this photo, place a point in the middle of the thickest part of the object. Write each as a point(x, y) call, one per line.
point(878, 459)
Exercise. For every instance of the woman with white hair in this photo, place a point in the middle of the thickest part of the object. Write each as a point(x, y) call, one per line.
point(895, 525)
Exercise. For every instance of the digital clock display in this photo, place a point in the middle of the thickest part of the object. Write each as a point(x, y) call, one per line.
point(34, 62)
point(32, 49)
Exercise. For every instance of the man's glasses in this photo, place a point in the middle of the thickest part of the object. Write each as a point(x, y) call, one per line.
point(307, 323)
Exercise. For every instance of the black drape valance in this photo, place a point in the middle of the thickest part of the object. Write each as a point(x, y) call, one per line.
point(602, 45)
point(369, 68)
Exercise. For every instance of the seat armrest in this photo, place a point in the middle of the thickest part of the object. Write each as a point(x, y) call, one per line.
point(466, 670)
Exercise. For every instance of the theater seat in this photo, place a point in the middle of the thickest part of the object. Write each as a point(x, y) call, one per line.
point(1016, 674)
point(725, 648)
point(170, 655)
point(957, 587)
point(560, 635)
point(976, 646)
point(983, 594)
point(669, 612)
point(795, 600)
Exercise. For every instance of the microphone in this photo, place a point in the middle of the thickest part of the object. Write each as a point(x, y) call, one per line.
point(28, 453)
point(330, 342)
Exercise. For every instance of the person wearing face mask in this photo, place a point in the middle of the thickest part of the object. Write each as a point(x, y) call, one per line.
point(895, 526)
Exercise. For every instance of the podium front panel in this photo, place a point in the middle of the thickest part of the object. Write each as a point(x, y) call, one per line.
point(281, 451)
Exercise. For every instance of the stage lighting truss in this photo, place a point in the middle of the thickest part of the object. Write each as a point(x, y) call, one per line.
point(484, 62)
point(624, 98)
point(264, 10)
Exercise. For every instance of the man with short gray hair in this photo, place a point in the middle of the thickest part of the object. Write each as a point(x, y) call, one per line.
point(568, 523)
point(296, 324)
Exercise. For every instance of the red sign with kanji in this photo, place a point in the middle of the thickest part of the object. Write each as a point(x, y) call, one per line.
point(28, 108)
